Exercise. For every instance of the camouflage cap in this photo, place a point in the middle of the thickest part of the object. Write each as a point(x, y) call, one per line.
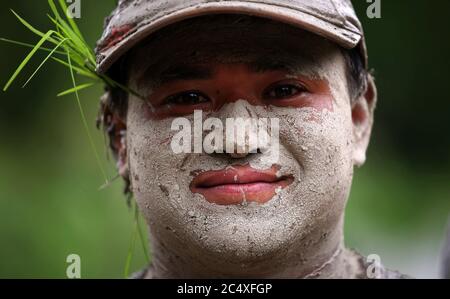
point(134, 20)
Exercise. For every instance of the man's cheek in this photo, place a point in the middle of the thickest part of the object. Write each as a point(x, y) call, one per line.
point(317, 102)
point(146, 151)
point(152, 186)
point(320, 141)
point(330, 162)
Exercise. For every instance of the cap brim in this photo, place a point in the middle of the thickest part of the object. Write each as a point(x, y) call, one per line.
point(345, 37)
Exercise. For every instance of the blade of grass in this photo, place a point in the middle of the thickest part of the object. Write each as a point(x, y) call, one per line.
point(43, 62)
point(83, 117)
point(81, 53)
point(141, 235)
point(72, 30)
point(73, 43)
point(126, 272)
point(76, 58)
point(30, 45)
point(72, 23)
point(75, 89)
point(136, 231)
point(79, 71)
point(53, 8)
point(77, 44)
point(27, 59)
point(32, 29)
point(104, 186)
point(113, 83)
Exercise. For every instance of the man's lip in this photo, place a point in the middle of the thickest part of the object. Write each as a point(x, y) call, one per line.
point(235, 184)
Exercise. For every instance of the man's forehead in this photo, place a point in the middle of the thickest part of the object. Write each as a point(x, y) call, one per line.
point(261, 46)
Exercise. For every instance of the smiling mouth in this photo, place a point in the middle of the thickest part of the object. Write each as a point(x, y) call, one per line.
point(237, 184)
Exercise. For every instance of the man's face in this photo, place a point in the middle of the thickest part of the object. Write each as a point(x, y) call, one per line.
point(241, 209)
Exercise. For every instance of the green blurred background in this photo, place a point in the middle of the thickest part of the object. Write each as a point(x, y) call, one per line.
point(50, 205)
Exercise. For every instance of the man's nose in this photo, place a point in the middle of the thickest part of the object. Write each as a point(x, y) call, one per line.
point(241, 129)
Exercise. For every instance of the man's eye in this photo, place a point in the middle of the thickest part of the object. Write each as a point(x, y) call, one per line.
point(283, 91)
point(187, 98)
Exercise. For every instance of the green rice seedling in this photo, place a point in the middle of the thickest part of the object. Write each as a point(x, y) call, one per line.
point(66, 45)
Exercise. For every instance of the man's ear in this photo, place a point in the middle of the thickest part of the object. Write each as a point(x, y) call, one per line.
point(118, 140)
point(362, 117)
point(112, 119)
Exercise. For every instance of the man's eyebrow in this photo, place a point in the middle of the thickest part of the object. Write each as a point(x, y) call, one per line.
point(181, 72)
point(280, 63)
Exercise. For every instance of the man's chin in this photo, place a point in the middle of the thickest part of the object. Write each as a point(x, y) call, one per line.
point(243, 239)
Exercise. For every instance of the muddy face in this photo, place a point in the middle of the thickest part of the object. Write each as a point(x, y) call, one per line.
point(264, 70)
